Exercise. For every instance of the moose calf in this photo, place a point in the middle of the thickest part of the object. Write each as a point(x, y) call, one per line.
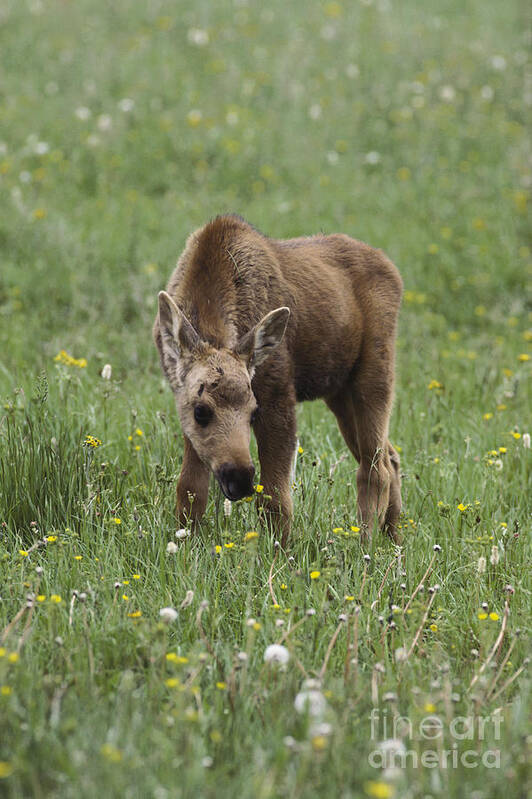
point(247, 327)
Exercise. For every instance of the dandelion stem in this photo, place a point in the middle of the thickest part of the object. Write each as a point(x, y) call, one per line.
point(270, 579)
point(421, 582)
point(379, 592)
point(501, 667)
point(330, 649)
point(494, 647)
point(509, 681)
point(423, 621)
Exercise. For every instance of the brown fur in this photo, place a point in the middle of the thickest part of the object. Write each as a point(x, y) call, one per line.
point(343, 297)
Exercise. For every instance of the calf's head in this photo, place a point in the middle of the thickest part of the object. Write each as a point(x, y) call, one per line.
point(212, 388)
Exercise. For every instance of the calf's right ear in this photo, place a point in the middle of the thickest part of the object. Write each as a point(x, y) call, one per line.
point(175, 336)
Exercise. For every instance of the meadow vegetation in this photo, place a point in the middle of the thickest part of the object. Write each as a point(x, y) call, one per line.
point(123, 127)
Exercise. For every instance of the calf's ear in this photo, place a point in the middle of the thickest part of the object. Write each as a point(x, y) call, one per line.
point(175, 336)
point(259, 342)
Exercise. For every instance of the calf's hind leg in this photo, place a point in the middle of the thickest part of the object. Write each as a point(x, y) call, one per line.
point(378, 480)
point(362, 410)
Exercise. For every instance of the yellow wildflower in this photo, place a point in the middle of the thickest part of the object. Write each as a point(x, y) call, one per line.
point(482, 616)
point(6, 690)
point(251, 535)
point(23, 553)
point(379, 789)
point(56, 599)
point(314, 575)
point(111, 753)
point(221, 686)
point(135, 615)
point(13, 657)
point(259, 489)
point(494, 616)
point(524, 357)
point(429, 707)
point(6, 769)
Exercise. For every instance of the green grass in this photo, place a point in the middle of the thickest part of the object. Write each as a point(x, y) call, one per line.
point(272, 117)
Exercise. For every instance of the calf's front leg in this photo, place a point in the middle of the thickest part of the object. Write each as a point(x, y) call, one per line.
point(192, 487)
point(275, 431)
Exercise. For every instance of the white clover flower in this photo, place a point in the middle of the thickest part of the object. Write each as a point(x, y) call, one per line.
point(83, 113)
point(171, 548)
point(107, 371)
point(126, 105)
point(311, 700)
point(183, 533)
point(276, 653)
point(168, 615)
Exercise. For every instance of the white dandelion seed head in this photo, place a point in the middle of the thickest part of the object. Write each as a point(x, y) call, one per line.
point(107, 371)
point(277, 654)
point(243, 657)
point(315, 111)
point(183, 533)
point(25, 176)
point(332, 157)
point(498, 465)
point(198, 36)
point(373, 157)
point(322, 728)
point(104, 122)
point(126, 105)
point(171, 548)
point(447, 94)
point(498, 62)
point(310, 701)
point(82, 113)
point(526, 440)
point(352, 71)
point(487, 93)
point(168, 615)
point(207, 761)
point(42, 147)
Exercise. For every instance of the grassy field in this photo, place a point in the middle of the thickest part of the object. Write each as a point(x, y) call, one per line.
point(124, 126)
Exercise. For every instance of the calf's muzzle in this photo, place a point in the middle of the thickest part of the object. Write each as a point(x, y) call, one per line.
point(236, 481)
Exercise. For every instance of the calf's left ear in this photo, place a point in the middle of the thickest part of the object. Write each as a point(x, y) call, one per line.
point(258, 344)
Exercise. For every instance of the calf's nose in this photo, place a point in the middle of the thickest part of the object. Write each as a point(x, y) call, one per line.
point(236, 481)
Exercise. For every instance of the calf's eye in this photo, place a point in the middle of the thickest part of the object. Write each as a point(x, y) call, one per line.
point(203, 415)
point(253, 415)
